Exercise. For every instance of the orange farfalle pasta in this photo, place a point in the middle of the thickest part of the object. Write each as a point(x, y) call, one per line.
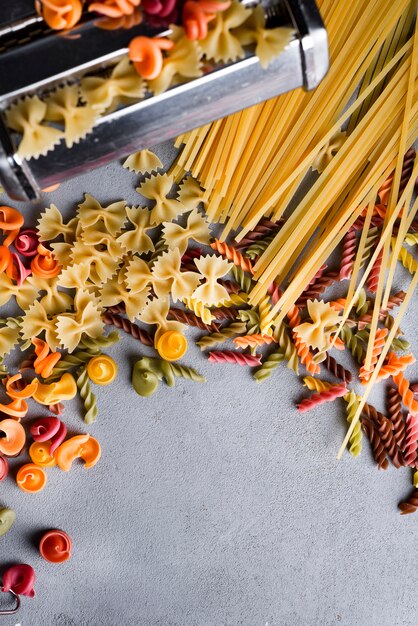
point(115, 8)
point(60, 14)
point(45, 361)
point(146, 54)
point(379, 342)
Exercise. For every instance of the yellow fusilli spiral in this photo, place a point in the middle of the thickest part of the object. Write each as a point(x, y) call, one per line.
point(355, 440)
point(199, 309)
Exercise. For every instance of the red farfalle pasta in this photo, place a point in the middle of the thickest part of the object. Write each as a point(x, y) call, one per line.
point(407, 396)
point(230, 253)
point(348, 254)
point(239, 358)
point(337, 391)
point(379, 342)
point(411, 440)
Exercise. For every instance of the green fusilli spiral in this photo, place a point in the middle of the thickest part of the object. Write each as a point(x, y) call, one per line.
point(268, 365)
point(252, 319)
point(353, 343)
point(371, 239)
point(287, 346)
point(207, 341)
point(90, 343)
point(71, 361)
point(88, 397)
point(243, 280)
point(355, 440)
point(258, 247)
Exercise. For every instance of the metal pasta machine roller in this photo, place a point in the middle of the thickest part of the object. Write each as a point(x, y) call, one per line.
point(35, 59)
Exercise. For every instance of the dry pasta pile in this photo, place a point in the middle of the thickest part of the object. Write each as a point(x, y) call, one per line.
point(68, 113)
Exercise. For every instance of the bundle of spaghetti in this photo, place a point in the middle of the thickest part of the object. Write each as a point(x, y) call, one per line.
point(394, 411)
point(411, 440)
point(329, 395)
point(365, 372)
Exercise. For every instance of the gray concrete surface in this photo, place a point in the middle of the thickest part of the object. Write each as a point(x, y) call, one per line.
point(215, 504)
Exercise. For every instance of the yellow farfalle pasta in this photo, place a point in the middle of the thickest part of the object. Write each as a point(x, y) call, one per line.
point(54, 301)
point(9, 337)
point(63, 105)
point(124, 82)
point(92, 213)
point(75, 276)
point(51, 225)
point(114, 292)
point(196, 228)
point(269, 42)
point(211, 293)
point(182, 61)
point(35, 321)
point(169, 277)
point(317, 333)
point(190, 193)
point(137, 240)
point(26, 117)
point(137, 275)
point(102, 256)
point(62, 252)
point(220, 44)
point(328, 151)
point(25, 294)
point(86, 319)
point(143, 162)
point(155, 312)
point(157, 188)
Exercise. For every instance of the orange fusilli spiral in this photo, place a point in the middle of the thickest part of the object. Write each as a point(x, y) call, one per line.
point(407, 396)
point(379, 342)
point(251, 341)
point(395, 364)
point(45, 361)
point(232, 255)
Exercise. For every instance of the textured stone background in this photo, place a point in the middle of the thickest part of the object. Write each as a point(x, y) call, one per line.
point(215, 504)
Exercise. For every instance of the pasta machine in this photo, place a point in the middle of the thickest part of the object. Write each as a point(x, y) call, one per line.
point(34, 59)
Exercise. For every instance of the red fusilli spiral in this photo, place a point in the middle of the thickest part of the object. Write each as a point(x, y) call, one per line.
point(239, 358)
point(394, 411)
point(373, 277)
point(337, 391)
point(411, 440)
point(348, 254)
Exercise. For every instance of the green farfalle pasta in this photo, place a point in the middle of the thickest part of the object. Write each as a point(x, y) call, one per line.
point(354, 446)
point(87, 395)
point(234, 329)
point(269, 364)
